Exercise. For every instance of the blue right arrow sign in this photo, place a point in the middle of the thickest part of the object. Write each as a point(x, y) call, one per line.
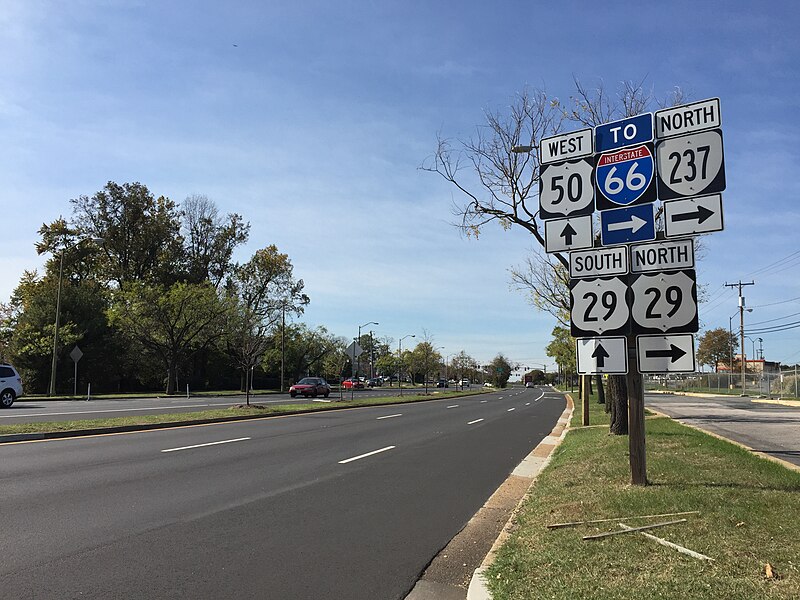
point(626, 225)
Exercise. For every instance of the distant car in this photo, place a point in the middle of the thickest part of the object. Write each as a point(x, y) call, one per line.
point(374, 382)
point(442, 383)
point(529, 384)
point(464, 383)
point(10, 385)
point(310, 386)
point(487, 384)
point(353, 383)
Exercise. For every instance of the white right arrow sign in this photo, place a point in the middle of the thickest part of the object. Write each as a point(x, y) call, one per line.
point(665, 353)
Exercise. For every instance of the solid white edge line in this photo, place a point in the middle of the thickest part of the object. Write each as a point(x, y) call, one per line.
point(475, 421)
point(203, 445)
point(389, 416)
point(347, 460)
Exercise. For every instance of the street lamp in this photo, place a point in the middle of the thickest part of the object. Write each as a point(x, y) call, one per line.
point(400, 358)
point(96, 240)
point(358, 341)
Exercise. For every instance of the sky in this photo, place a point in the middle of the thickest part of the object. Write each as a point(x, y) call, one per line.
point(311, 120)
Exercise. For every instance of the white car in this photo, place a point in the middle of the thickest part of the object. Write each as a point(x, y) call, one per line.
point(10, 385)
point(529, 384)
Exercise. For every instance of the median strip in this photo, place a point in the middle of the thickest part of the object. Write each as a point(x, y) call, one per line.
point(360, 456)
point(208, 444)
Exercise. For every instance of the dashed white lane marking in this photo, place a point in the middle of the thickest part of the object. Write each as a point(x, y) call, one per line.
point(389, 416)
point(360, 456)
point(208, 444)
point(527, 404)
point(475, 421)
point(484, 401)
point(453, 406)
point(500, 398)
point(510, 409)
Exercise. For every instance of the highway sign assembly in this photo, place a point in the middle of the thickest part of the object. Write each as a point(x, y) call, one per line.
point(626, 225)
point(690, 165)
point(602, 355)
point(566, 146)
point(574, 233)
point(662, 256)
point(664, 302)
point(693, 216)
point(665, 353)
point(597, 262)
point(626, 177)
point(566, 189)
point(599, 307)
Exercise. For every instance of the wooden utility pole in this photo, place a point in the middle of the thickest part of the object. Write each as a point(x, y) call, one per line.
point(585, 397)
point(740, 285)
point(636, 436)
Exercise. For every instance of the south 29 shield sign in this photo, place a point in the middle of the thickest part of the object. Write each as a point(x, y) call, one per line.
point(625, 177)
point(599, 306)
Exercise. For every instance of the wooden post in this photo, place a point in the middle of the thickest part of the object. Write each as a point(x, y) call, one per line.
point(636, 441)
point(585, 379)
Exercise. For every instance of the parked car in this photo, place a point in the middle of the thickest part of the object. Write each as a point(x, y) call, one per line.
point(10, 385)
point(442, 383)
point(310, 386)
point(353, 383)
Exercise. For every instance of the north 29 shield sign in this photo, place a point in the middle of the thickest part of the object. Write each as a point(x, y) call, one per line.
point(625, 177)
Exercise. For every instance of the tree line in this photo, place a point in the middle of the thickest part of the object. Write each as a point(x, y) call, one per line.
point(149, 291)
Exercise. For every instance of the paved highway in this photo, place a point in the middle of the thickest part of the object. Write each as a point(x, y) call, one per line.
point(34, 410)
point(770, 428)
point(345, 504)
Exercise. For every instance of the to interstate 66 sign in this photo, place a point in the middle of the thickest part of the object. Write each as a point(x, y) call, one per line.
point(626, 177)
point(566, 189)
point(690, 165)
point(599, 307)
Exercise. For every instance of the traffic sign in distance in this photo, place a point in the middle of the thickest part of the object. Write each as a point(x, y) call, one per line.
point(665, 353)
point(692, 216)
point(626, 225)
point(601, 261)
point(599, 307)
point(574, 233)
point(664, 302)
point(690, 165)
point(626, 177)
point(688, 118)
point(626, 132)
point(602, 355)
point(662, 256)
point(566, 189)
point(354, 350)
point(566, 146)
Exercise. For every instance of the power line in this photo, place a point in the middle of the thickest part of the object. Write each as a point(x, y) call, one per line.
point(776, 303)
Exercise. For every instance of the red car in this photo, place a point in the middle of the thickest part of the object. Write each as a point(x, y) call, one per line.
point(353, 383)
point(310, 386)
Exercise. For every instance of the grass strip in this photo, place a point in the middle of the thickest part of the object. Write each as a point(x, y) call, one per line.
point(224, 413)
point(748, 519)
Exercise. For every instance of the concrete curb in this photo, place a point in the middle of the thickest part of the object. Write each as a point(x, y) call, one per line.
point(529, 468)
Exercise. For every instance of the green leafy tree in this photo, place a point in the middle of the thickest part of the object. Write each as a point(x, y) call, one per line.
point(424, 362)
point(307, 352)
point(716, 346)
point(499, 371)
point(172, 323)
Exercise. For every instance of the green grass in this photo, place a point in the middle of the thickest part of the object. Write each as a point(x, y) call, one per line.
point(597, 412)
point(748, 518)
point(235, 411)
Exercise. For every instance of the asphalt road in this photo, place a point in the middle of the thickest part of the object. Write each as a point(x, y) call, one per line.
point(344, 504)
point(770, 428)
point(27, 410)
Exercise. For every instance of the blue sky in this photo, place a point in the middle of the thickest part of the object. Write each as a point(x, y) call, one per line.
point(310, 119)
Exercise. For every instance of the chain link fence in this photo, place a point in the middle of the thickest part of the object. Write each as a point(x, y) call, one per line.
point(777, 385)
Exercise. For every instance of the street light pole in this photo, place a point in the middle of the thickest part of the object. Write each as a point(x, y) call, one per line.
point(400, 359)
point(97, 240)
point(358, 341)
